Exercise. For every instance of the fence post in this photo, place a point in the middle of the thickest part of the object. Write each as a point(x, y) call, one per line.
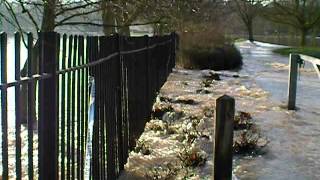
point(47, 127)
point(174, 49)
point(225, 109)
point(292, 87)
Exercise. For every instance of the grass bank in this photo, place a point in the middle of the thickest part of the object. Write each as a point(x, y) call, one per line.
point(310, 51)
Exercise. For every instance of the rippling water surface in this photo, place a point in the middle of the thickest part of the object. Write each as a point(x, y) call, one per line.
point(294, 149)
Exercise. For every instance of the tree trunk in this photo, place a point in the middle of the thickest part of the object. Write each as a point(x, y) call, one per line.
point(47, 25)
point(250, 31)
point(125, 31)
point(123, 21)
point(303, 40)
point(49, 16)
point(24, 87)
point(108, 18)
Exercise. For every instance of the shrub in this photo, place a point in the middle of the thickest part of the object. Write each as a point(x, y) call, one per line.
point(208, 50)
point(215, 58)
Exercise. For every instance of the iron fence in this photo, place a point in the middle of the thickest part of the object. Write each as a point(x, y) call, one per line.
point(53, 99)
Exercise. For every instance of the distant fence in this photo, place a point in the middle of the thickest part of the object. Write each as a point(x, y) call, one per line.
point(128, 72)
point(281, 39)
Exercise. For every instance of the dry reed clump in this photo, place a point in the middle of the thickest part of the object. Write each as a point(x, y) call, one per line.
point(142, 147)
point(248, 142)
point(163, 172)
point(247, 137)
point(242, 120)
point(160, 108)
point(156, 125)
point(192, 156)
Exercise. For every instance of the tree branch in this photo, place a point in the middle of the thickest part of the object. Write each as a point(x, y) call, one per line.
point(106, 25)
point(64, 10)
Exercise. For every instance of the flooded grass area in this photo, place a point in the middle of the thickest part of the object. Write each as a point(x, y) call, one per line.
point(178, 141)
point(278, 144)
point(293, 151)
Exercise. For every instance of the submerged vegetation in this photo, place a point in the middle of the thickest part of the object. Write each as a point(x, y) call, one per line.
point(178, 141)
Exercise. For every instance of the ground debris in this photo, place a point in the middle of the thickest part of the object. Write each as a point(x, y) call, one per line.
point(203, 91)
point(212, 76)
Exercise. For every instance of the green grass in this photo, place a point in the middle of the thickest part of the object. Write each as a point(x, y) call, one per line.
point(310, 51)
point(239, 40)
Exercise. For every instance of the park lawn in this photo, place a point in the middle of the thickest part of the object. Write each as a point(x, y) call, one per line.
point(310, 51)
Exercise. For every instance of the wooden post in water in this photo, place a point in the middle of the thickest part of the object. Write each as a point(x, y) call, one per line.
point(292, 87)
point(225, 109)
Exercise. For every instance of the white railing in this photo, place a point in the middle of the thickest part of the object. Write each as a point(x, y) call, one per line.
point(315, 62)
point(295, 60)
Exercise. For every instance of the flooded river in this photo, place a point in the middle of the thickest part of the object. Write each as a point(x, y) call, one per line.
point(294, 148)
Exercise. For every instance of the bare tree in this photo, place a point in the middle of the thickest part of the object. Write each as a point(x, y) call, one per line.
point(303, 15)
point(53, 13)
point(247, 10)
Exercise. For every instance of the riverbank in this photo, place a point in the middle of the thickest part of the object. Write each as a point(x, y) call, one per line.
point(310, 51)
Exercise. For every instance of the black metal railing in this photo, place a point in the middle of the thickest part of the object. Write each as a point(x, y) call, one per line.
point(53, 99)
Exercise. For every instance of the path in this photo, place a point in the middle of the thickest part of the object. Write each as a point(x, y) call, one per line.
point(294, 149)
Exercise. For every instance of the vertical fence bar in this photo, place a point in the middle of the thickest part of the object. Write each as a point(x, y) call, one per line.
point(69, 89)
point(124, 101)
point(73, 110)
point(4, 106)
point(92, 111)
point(119, 105)
point(147, 54)
point(292, 87)
point(63, 107)
point(86, 99)
point(82, 107)
point(78, 107)
point(17, 46)
point(225, 109)
point(95, 141)
point(58, 101)
point(174, 39)
point(96, 125)
point(48, 162)
point(100, 104)
point(31, 107)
